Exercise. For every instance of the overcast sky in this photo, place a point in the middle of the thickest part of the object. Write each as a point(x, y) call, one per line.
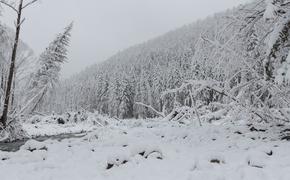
point(104, 27)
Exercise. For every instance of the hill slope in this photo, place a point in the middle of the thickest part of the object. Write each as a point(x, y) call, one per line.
point(216, 48)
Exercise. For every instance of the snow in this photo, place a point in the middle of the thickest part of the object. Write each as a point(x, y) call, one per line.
point(283, 73)
point(271, 10)
point(76, 123)
point(210, 133)
point(151, 149)
point(45, 129)
point(275, 35)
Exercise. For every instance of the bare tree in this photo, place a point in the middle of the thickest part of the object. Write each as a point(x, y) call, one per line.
point(18, 10)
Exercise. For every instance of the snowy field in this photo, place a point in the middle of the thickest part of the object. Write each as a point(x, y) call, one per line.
point(143, 150)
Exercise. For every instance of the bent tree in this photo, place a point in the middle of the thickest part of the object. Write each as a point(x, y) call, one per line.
point(19, 21)
point(44, 81)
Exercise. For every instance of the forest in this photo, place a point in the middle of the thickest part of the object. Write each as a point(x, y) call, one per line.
point(223, 77)
point(236, 58)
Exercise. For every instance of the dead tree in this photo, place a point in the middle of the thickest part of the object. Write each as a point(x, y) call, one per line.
point(19, 22)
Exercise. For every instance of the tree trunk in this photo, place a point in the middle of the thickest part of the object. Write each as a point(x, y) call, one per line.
point(13, 91)
point(12, 67)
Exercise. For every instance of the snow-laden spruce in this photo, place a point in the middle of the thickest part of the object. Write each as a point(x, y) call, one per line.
point(45, 80)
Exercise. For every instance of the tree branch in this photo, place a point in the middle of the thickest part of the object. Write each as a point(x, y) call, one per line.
point(9, 5)
point(237, 101)
point(193, 103)
point(150, 107)
point(29, 3)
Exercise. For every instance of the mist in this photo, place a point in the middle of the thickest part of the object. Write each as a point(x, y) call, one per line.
point(102, 28)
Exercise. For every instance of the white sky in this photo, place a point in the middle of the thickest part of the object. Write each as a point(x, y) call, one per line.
point(104, 27)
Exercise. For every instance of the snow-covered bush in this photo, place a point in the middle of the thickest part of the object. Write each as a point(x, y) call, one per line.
point(35, 119)
point(75, 117)
point(14, 131)
point(70, 118)
point(98, 119)
point(182, 115)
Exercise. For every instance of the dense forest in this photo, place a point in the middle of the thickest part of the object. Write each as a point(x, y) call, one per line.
point(238, 56)
point(235, 57)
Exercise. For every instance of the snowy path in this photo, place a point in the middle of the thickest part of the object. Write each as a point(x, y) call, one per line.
point(143, 151)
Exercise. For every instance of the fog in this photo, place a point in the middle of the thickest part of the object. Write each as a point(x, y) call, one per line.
point(104, 27)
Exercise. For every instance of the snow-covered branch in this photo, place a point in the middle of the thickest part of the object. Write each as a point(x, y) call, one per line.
point(150, 107)
point(4, 2)
point(29, 3)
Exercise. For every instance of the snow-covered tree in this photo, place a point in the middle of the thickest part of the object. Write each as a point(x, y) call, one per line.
point(277, 63)
point(44, 81)
point(17, 7)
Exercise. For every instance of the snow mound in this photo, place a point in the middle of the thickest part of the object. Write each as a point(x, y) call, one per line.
point(33, 145)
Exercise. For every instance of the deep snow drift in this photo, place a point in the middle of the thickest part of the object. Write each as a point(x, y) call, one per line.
point(152, 149)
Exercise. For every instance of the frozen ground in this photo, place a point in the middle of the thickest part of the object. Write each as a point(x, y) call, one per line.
point(143, 150)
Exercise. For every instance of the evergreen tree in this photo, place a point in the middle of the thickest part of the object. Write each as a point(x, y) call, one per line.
point(44, 80)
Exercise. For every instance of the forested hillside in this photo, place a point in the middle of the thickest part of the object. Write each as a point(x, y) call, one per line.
point(228, 51)
point(141, 73)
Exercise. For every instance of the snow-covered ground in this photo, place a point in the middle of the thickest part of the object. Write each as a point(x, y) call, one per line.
point(45, 129)
point(76, 123)
point(143, 150)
